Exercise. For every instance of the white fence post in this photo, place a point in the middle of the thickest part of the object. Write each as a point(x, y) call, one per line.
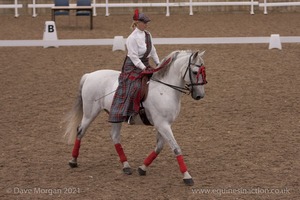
point(16, 9)
point(106, 8)
point(94, 8)
point(265, 7)
point(34, 9)
point(191, 7)
point(252, 8)
point(167, 8)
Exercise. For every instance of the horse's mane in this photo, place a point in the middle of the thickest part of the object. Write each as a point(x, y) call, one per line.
point(173, 56)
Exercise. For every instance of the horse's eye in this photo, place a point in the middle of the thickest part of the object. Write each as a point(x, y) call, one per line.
point(195, 73)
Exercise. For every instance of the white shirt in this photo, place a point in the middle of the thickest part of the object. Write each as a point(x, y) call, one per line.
point(136, 46)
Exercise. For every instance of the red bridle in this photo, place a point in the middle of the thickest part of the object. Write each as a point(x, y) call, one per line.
point(201, 72)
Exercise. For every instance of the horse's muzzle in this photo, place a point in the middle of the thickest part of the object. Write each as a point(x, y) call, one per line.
point(198, 95)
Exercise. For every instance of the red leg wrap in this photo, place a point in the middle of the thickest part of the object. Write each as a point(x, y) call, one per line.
point(181, 163)
point(120, 152)
point(150, 158)
point(76, 148)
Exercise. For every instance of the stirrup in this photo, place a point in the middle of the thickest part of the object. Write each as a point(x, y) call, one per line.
point(131, 120)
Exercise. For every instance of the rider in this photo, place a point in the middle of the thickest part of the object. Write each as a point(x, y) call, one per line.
point(140, 48)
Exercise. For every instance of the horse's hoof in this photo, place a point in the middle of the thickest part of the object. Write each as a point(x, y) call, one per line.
point(188, 181)
point(127, 170)
point(73, 164)
point(141, 172)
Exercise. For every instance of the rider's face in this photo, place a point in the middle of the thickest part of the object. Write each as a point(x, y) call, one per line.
point(142, 26)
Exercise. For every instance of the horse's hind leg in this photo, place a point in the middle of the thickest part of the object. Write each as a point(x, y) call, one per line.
point(81, 130)
point(116, 138)
point(159, 146)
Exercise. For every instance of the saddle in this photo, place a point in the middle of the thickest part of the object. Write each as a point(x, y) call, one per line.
point(145, 85)
point(143, 96)
point(145, 76)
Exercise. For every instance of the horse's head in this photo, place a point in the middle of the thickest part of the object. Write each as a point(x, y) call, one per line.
point(195, 76)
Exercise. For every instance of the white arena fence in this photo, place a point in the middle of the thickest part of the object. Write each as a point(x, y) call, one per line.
point(156, 41)
point(15, 6)
point(167, 5)
point(189, 3)
point(277, 4)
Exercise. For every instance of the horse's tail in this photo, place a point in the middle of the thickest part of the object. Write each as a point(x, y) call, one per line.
point(74, 117)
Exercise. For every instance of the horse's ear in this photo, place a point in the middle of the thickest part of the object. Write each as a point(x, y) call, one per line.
point(201, 54)
point(195, 55)
point(198, 53)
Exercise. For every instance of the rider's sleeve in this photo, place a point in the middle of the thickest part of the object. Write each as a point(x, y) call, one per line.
point(153, 53)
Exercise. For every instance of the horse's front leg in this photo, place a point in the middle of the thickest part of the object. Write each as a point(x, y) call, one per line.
point(167, 134)
point(159, 146)
point(116, 138)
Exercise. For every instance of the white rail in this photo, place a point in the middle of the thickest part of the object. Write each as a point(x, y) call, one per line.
point(277, 4)
point(179, 4)
point(167, 5)
point(16, 6)
point(156, 41)
point(34, 6)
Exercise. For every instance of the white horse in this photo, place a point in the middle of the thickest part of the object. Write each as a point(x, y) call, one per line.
point(183, 72)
